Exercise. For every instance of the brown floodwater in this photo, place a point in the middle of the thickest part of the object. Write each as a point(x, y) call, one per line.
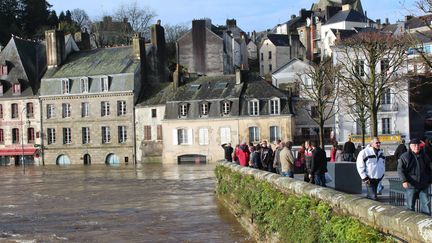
point(144, 203)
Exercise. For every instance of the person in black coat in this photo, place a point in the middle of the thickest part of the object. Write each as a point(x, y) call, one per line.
point(228, 150)
point(319, 165)
point(401, 148)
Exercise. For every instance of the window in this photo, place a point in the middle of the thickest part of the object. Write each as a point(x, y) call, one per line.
point(29, 108)
point(274, 107)
point(225, 135)
point(16, 89)
point(359, 68)
point(84, 85)
point(153, 113)
point(50, 111)
point(270, 68)
point(51, 135)
point(104, 84)
point(30, 135)
point(314, 112)
point(14, 110)
point(121, 107)
point(269, 55)
point(86, 135)
point(386, 97)
point(67, 135)
point(254, 107)
point(106, 137)
point(159, 132)
point(65, 86)
point(147, 133)
point(1, 136)
point(203, 136)
point(66, 110)
point(122, 134)
point(275, 133)
point(183, 110)
point(182, 136)
point(262, 56)
point(15, 135)
point(226, 108)
point(204, 108)
point(1, 111)
point(105, 108)
point(3, 70)
point(308, 82)
point(386, 126)
point(85, 107)
point(385, 65)
point(254, 134)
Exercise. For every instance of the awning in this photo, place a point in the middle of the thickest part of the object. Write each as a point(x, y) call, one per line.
point(17, 151)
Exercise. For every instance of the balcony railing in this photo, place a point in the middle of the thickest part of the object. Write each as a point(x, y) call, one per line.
point(389, 107)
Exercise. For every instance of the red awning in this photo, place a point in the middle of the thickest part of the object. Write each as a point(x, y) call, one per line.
point(17, 151)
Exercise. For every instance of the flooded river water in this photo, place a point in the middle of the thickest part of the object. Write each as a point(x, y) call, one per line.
point(148, 203)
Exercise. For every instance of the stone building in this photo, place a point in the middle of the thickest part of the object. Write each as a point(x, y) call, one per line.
point(213, 50)
point(22, 64)
point(87, 101)
point(109, 32)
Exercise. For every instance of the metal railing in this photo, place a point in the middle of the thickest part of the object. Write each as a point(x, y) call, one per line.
point(397, 194)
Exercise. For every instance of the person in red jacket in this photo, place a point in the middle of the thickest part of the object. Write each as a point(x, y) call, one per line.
point(243, 154)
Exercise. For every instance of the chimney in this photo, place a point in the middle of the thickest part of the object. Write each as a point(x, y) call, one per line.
point(346, 7)
point(378, 22)
point(238, 76)
point(138, 46)
point(82, 40)
point(55, 47)
point(387, 21)
point(176, 74)
point(231, 23)
point(159, 44)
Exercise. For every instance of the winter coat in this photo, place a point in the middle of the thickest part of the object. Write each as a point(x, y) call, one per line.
point(319, 161)
point(286, 160)
point(243, 155)
point(369, 164)
point(415, 169)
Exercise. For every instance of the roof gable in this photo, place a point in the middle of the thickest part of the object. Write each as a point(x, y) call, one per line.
point(348, 16)
point(278, 40)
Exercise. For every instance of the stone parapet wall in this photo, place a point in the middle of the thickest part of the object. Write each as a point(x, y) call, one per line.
point(395, 221)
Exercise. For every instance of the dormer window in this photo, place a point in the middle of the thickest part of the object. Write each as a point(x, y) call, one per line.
point(226, 108)
point(254, 107)
point(84, 85)
point(3, 70)
point(16, 89)
point(65, 86)
point(204, 109)
point(274, 106)
point(183, 109)
point(104, 84)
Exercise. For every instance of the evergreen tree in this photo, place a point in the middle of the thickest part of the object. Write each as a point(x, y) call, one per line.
point(35, 17)
point(8, 20)
point(53, 19)
point(62, 17)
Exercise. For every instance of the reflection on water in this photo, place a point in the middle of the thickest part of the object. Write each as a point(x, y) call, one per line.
point(147, 203)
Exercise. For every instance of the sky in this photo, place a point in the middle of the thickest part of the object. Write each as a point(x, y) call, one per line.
point(250, 14)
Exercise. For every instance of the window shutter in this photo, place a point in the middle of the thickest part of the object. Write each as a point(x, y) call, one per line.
point(190, 137)
point(175, 138)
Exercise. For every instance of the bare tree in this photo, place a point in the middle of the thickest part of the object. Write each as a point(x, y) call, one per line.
point(373, 61)
point(320, 88)
point(81, 18)
point(139, 17)
point(172, 34)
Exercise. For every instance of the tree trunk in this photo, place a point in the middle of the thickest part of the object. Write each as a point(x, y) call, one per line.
point(321, 134)
point(363, 129)
point(374, 122)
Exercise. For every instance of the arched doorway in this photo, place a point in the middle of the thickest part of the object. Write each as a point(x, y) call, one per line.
point(87, 159)
point(112, 159)
point(63, 160)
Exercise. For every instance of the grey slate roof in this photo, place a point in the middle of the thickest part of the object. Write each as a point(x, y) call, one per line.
point(156, 94)
point(416, 22)
point(96, 62)
point(26, 63)
point(349, 16)
point(344, 33)
point(278, 40)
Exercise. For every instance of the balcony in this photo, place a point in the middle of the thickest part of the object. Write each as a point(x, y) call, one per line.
point(389, 107)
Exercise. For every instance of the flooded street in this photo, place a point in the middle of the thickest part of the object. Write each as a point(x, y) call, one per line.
point(149, 203)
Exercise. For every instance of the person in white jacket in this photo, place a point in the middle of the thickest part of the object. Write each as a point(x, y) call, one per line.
point(371, 167)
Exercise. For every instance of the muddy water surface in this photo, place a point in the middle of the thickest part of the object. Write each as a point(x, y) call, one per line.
point(149, 203)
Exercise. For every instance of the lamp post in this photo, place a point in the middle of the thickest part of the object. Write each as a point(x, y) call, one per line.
point(22, 138)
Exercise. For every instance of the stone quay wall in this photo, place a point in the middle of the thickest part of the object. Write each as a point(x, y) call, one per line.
point(403, 225)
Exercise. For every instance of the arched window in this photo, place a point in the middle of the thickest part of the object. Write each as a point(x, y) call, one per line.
point(63, 160)
point(112, 159)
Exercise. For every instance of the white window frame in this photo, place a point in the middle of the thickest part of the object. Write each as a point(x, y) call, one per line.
point(106, 134)
point(84, 85)
point(85, 135)
point(360, 67)
point(183, 110)
point(275, 133)
point(386, 97)
point(274, 106)
point(255, 131)
point(105, 108)
point(66, 110)
point(67, 135)
point(203, 136)
point(121, 108)
point(65, 86)
point(16, 89)
point(182, 136)
point(225, 135)
point(122, 134)
point(226, 108)
point(104, 82)
point(51, 135)
point(253, 107)
point(85, 109)
point(50, 111)
point(386, 125)
point(204, 109)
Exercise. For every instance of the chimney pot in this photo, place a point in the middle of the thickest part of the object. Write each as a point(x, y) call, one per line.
point(346, 7)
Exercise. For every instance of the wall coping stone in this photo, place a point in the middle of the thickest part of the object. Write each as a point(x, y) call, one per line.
point(396, 221)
